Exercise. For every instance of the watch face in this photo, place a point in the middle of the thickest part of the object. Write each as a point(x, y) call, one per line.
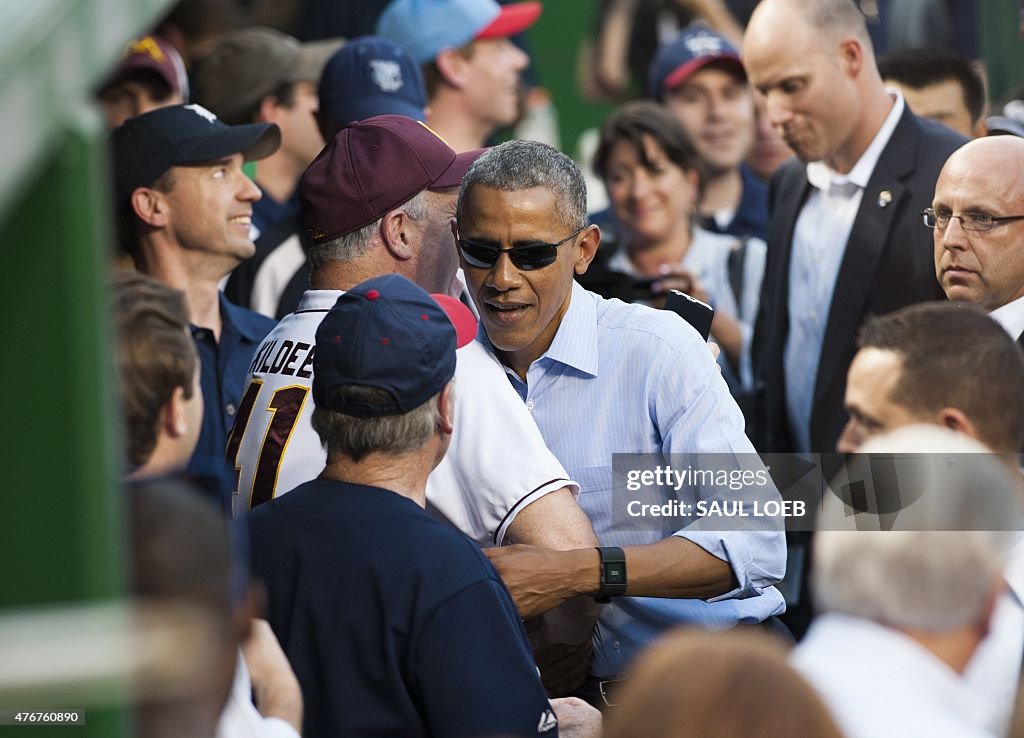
point(615, 573)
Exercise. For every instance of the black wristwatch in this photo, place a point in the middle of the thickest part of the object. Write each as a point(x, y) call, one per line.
point(613, 573)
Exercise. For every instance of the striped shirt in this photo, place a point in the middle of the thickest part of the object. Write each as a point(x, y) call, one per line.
point(621, 378)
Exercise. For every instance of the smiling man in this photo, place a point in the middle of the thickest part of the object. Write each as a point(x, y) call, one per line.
point(978, 220)
point(185, 213)
point(700, 80)
point(470, 66)
point(603, 377)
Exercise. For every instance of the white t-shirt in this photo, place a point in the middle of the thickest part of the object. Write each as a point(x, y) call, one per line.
point(497, 462)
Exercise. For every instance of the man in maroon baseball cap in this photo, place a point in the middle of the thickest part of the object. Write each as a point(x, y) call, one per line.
point(149, 75)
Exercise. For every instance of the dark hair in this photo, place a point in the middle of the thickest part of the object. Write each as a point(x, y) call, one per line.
point(695, 684)
point(283, 93)
point(154, 82)
point(155, 356)
point(640, 118)
point(522, 165)
point(919, 68)
point(955, 355)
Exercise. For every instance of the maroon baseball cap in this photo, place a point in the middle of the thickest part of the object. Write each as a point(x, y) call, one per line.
point(155, 55)
point(371, 167)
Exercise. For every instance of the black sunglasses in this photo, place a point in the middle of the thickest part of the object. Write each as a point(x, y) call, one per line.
point(527, 258)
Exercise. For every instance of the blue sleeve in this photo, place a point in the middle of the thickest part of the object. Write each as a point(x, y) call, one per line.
point(474, 671)
point(697, 416)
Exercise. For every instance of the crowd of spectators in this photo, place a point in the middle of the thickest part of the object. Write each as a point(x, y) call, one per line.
point(383, 378)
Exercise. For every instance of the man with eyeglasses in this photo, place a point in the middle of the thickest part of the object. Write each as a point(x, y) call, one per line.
point(978, 219)
point(602, 377)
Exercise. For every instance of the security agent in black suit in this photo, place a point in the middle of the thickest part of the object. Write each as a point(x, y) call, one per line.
point(814, 63)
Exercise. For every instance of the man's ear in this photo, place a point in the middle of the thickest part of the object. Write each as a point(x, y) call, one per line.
point(851, 55)
point(451, 65)
point(586, 248)
point(267, 110)
point(446, 408)
point(150, 206)
point(955, 419)
point(395, 229)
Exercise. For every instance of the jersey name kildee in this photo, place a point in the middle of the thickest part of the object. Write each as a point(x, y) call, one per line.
point(284, 357)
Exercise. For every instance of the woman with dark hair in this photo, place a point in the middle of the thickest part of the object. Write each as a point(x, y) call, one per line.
point(652, 173)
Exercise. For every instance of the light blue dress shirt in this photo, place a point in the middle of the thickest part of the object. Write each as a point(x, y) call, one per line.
point(622, 378)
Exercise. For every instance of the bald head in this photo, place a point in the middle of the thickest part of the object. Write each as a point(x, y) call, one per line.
point(827, 19)
point(814, 64)
point(981, 154)
point(983, 267)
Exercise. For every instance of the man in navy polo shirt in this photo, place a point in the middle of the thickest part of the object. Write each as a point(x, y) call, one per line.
point(395, 623)
point(185, 212)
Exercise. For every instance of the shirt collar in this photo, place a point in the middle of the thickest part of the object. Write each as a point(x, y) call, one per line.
point(1011, 317)
point(251, 326)
point(821, 175)
point(575, 341)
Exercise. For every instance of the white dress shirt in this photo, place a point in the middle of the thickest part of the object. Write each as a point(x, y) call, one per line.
point(1011, 317)
point(878, 682)
point(994, 671)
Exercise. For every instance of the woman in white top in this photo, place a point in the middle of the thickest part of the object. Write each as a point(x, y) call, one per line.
point(652, 173)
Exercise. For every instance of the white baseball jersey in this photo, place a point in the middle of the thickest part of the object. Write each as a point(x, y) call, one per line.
point(497, 462)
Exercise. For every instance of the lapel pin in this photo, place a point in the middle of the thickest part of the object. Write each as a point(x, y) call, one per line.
point(884, 198)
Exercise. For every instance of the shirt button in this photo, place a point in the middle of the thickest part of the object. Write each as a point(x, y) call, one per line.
point(230, 409)
point(200, 335)
point(529, 404)
point(615, 645)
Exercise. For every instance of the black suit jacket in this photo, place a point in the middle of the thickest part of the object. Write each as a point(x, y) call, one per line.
point(887, 264)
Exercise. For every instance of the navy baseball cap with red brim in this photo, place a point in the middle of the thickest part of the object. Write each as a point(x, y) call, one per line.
point(388, 334)
point(146, 146)
point(693, 49)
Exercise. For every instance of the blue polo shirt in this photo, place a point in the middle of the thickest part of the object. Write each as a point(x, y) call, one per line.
point(751, 217)
point(223, 373)
point(395, 624)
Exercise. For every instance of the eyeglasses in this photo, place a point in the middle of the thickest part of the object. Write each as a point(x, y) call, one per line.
point(968, 221)
point(527, 258)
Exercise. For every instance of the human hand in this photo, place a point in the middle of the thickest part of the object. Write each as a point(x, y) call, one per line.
point(577, 719)
point(539, 578)
point(679, 278)
point(274, 684)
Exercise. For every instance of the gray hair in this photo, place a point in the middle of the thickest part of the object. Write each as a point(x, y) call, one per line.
point(391, 434)
point(938, 576)
point(354, 245)
point(523, 165)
